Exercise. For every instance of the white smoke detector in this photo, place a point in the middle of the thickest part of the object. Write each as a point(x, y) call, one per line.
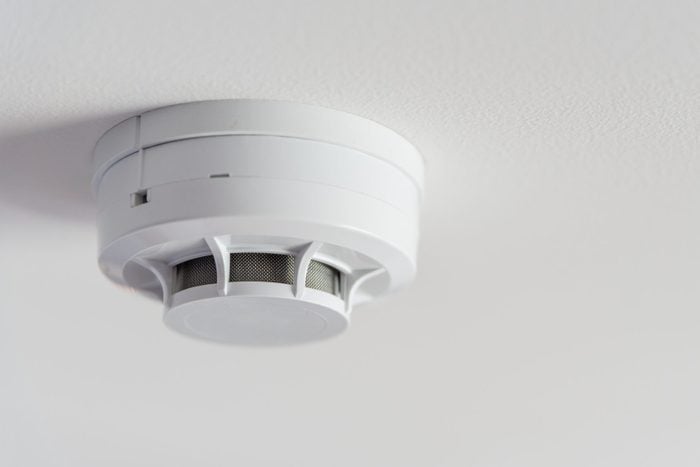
point(257, 222)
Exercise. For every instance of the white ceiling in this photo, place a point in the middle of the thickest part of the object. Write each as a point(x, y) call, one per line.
point(556, 317)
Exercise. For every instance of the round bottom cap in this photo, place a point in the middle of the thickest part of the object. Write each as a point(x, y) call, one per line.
point(255, 321)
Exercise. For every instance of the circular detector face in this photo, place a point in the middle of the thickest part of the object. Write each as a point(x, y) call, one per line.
point(255, 321)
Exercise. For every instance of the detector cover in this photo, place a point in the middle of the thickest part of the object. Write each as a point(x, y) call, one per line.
point(257, 222)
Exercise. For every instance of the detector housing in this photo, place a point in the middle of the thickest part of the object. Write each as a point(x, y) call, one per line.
point(257, 222)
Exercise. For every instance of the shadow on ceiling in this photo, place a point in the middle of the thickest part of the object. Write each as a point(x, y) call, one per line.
point(48, 170)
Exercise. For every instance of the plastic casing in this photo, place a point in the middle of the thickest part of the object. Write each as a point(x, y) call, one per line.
point(215, 177)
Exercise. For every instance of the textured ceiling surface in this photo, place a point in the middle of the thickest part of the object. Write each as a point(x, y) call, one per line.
point(555, 319)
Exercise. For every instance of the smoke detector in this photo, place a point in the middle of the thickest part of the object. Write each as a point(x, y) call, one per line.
point(257, 222)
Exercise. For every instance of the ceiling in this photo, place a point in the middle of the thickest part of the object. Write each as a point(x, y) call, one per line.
point(555, 319)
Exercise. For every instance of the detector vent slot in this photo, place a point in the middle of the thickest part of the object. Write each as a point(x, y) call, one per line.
point(195, 272)
point(256, 267)
point(322, 277)
point(262, 267)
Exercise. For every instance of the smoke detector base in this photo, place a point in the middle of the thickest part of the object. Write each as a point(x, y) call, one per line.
point(257, 222)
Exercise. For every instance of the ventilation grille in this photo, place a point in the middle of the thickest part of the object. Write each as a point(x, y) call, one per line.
point(256, 267)
point(320, 276)
point(195, 272)
point(261, 267)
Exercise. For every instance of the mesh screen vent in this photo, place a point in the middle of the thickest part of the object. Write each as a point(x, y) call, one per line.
point(261, 267)
point(322, 277)
point(195, 272)
point(256, 267)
